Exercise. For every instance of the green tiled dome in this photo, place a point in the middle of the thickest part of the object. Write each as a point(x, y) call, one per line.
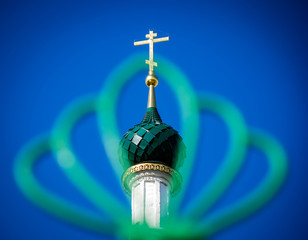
point(152, 141)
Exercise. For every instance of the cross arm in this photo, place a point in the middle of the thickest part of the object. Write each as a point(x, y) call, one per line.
point(141, 42)
point(151, 35)
point(151, 63)
point(161, 39)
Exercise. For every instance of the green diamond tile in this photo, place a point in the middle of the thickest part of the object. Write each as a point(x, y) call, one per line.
point(141, 132)
point(136, 139)
point(143, 144)
point(126, 145)
point(163, 137)
point(133, 148)
point(140, 152)
point(131, 156)
point(161, 126)
point(154, 143)
point(148, 126)
point(148, 137)
point(155, 131)
point(130, 135)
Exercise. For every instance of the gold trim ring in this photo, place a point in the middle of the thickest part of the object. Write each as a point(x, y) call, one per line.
point(175, 179)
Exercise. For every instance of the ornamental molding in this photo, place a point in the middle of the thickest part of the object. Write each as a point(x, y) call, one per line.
point(153, 171)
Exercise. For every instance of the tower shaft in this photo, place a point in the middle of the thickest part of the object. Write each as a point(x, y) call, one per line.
point(150, 198)
point(151, 152)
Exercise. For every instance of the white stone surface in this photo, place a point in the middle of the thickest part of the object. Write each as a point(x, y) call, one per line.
point(150, 197)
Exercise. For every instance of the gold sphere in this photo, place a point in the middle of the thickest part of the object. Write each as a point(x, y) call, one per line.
point(151, 79)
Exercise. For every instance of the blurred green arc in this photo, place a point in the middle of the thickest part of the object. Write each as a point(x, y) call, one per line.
point(193, 222)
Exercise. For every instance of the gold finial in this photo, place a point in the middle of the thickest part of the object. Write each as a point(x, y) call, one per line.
point(151, 79)
point(151, 97)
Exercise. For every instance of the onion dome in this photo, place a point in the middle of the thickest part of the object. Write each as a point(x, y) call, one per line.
point(152, 141)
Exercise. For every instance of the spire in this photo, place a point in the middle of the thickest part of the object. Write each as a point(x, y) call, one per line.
point(151, 98)
point(151, 80)
point(152, 115)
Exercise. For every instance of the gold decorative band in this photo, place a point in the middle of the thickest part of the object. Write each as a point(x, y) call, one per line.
point(176, 178)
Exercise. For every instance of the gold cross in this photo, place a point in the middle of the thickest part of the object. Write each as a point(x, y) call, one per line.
point(151, 42)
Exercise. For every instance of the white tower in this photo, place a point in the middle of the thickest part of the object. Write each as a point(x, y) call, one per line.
point(150, 152)
point(150, 186)
point(150, 198)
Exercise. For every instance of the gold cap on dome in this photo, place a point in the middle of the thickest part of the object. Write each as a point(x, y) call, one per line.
point(151, 80)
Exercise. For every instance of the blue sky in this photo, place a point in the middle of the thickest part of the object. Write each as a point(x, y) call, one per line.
point(252, 53)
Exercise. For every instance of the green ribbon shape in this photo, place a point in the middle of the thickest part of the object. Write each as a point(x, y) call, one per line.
point(112, 217)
